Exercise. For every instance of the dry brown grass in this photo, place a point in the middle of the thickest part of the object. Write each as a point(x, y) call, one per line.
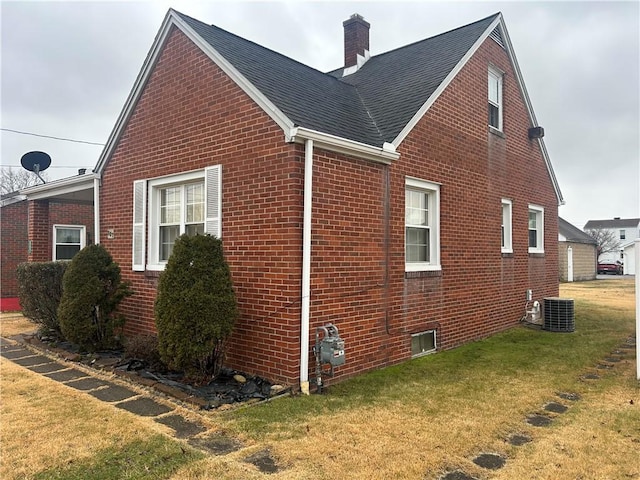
point(440, 424)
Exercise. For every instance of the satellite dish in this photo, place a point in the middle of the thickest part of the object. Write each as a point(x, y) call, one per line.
point(36, 162)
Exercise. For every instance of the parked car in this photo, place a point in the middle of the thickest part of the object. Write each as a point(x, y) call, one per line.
point(614, 268)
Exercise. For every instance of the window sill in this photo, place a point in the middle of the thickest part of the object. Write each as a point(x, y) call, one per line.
point(496, 132)
point(507, 254)
point(536, 254)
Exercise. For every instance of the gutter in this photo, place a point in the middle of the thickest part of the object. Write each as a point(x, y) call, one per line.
point(306, 267)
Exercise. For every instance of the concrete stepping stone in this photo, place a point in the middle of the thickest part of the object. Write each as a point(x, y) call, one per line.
point(16, 353)
point(491, 461)
point(604, 366)
point(612, 359)
point(263, 460)
point(113, 393)
point(573, 397)
point(32, 361)
point(217, 444)
point(518, 439)
point(89, 383)
point(539, 420)
point(555, 407)
point(590, 376)
point(48, 367)
point(145, 407)
point(183, 428)
point(457, 475)
point(66, 375)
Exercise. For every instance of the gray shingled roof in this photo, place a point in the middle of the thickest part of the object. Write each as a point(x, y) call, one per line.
point(613, 223)
point(371, 106)
point(572, 233)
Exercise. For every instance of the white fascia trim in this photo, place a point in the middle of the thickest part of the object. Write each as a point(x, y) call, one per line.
point(60, 187)
point(445, 83)
point(173, 19)
point(385, 154)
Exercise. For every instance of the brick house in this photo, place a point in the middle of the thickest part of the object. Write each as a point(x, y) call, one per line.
point(393, 197)
point(41, 227)
point(577, 253)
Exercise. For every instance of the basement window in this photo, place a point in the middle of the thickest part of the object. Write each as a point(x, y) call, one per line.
point(423, 343)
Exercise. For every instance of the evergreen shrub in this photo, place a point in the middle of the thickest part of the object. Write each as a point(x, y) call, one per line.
point(40, 291)
point(196, 307)
point(92, 290)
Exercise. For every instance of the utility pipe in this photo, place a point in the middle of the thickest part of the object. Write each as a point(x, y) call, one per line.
point(306, 267)
point(96, 210)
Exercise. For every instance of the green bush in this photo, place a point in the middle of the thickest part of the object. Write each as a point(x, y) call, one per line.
point(92, 290)
point(196, 307)
point(40, 291)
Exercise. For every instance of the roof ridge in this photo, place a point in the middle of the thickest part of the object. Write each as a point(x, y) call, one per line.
point(243, 39)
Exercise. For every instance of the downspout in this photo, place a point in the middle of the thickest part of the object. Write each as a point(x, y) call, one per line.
point(96, 210)
point(306, 267)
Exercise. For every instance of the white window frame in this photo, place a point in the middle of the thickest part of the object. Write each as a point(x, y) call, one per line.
point(146, 255)
point(539, 212)
point(432, 190)
point(497, 75)
point(506, 229)
point(623, 234)
point(425, 352)
point(83, 238)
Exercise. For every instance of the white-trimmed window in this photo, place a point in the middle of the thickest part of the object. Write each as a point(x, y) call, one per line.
point(536, 229)
point(623, 234)
point(495, 98)
point(423, 343)
point(67, 241)
point(422, 225)
point(507, 208)
point(188, 203)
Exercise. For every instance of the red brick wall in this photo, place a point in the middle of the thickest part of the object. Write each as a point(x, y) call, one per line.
point(191, 115)
point(14, 244)
point(39, 216)
point(479, 291)
point(43, 215)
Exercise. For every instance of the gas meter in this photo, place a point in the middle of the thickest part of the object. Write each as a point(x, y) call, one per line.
point(328, 350)
point(331, 346)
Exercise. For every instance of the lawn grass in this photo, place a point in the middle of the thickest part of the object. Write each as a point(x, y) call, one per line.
point(417, 420)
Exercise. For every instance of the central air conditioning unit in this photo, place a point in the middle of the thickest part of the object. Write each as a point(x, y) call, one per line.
point(559, 315)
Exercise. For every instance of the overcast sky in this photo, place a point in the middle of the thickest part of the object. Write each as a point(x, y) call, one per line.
point(67, 68)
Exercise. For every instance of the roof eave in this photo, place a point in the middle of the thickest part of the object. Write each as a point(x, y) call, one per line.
point(60, 187)
point(385, 154)
point(173, 19)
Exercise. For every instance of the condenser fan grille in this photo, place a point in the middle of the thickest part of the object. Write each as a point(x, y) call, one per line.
point(559, 315)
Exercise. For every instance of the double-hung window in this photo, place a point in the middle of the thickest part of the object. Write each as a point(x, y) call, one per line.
point(495, 98)
point(507, 246)
point(68, 240)
point(536, 229)
point(168, 207)
point(181, 211)
point(422, 229)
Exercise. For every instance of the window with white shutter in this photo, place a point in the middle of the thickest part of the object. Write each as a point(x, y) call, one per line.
point(188, 203)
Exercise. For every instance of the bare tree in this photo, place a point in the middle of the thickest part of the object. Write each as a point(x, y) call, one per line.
point(14, 179)
point(606, 240)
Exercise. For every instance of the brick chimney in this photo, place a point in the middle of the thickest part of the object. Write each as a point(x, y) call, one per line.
point(356, 39)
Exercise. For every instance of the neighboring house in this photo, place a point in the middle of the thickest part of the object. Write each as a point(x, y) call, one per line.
point(577, 253)
point(65, 228)
point(394, 197)
point(625, 230)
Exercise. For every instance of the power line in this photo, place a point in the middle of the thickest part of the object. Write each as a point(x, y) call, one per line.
point(49, 136)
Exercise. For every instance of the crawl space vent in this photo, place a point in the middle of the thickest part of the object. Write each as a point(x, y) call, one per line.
point(558, 315)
